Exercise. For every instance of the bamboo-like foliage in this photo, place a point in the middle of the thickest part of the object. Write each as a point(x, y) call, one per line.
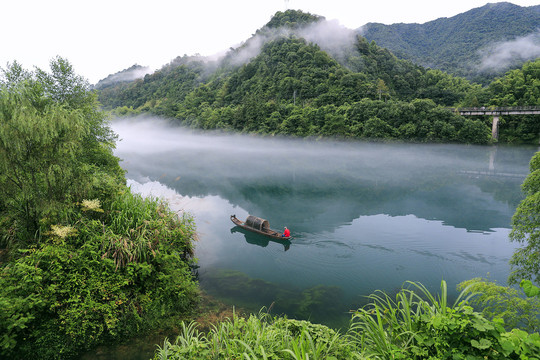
point(385, 326)
point(304, 346)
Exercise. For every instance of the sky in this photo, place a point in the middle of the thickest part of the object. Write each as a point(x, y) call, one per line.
point(102, 37)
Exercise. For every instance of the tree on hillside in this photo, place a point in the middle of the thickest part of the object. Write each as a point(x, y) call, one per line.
point(382, 89)
point(286, 71)
point(520, 87)
point(526, 229)
point(292, 19)
point(54, 144)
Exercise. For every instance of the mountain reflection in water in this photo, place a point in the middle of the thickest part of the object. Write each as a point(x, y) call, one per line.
point(364, 216)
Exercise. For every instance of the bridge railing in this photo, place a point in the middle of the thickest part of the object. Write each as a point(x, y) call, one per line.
point(493, 108)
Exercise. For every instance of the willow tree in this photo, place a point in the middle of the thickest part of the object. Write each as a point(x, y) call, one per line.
point(55, 146)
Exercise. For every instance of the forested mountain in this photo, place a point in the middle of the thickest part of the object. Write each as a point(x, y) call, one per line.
point(178, 78)
point(299, 76)
point(127, 75)
point(478, 44)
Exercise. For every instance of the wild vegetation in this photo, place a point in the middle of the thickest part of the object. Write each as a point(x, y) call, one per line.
point(504, 302)
point(414, 325)
point(86, 261)
point(292, 86)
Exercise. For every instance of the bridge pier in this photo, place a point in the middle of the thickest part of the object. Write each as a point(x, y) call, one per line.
point(495, 128)
point(496, 112)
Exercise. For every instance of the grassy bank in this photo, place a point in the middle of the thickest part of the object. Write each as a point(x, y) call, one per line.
point(414, 325)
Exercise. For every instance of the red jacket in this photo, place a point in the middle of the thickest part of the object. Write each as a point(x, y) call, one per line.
point(286, 233)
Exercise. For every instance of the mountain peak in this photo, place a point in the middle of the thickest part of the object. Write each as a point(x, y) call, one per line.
point(292, 19)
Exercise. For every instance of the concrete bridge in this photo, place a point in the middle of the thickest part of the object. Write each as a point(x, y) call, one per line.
point(496, 112)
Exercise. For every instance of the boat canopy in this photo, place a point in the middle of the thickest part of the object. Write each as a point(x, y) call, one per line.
point(257, 223)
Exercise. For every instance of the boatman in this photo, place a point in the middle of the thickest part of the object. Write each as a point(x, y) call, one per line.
point(286, 232)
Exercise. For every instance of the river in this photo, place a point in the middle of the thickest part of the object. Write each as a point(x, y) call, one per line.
point(363, 216)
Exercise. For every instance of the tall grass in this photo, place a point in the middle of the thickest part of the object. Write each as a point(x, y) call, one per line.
point(385, 326)
point(258, 337)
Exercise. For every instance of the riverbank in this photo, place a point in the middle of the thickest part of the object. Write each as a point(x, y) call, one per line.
point(210, 312)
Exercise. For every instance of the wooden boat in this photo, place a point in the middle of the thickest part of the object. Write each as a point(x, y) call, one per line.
point(260, 226)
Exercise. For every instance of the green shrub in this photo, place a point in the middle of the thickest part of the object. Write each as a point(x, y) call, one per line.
point(507, 303)
point(418, 325)
point(113, 273)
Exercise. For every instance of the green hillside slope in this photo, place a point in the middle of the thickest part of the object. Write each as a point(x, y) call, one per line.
point(466, 44)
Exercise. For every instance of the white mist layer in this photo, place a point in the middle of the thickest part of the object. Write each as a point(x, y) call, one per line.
point(178, 152)
point(330, 36)
point(502, 55)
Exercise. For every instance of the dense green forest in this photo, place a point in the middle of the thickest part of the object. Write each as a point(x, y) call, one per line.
point(479, 44)
point(82, 260)
point(292, 87)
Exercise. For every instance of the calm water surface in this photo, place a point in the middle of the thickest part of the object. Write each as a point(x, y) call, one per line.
point(364, 216)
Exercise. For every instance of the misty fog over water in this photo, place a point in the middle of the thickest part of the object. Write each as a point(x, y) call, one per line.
point(364, 216)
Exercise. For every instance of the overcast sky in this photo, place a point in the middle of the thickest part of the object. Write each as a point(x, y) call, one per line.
point(101, 37)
